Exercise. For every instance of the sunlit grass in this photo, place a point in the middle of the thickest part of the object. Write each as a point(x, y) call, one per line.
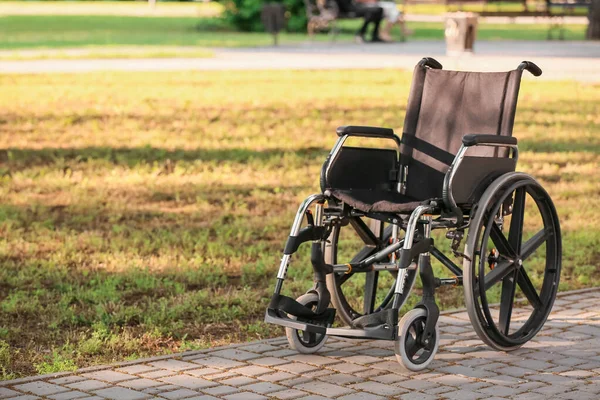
point(145, 213)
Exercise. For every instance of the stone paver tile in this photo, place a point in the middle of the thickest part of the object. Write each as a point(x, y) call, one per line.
point(63, 381)
point(222, 375)
point(313, 359)
point(41, 388)
point(466, 371)
point(25, 397)
point(361, 360)
point(276, 377)
point(362, 396)
point(235, 354)
point(288, 394)
point(68, 395)
point(108, 375)
point(415, 384)
point(6, 392)
point(554, 379)
point(295, 381)
point(463, 394)
point(202, 371)
point(188, 381)
point(161, 373)
point(378, 388)
point(497, 390)
point(314, 397)
point(552, 389)
point(578, 374)
point(174, 365)
point(88, 385)
point(347, 368)
point(179, 394)
point(317, 373)
point(505, 380)
point(515, 371)
point(341, 379)
point(221, 390)
point(280, 353)
point(536, 365)
point(245, 396)
point(295, 368)
point(136, 369)
point(251, 370)
point(119, 393)
point(203, 397)
point(263, 387)
point(268, 361)
point(324, 389)
point(219, 362)
point(239, 381)
point(259, 348)
point(451, 380)
point(139, 384)
point(417, 396)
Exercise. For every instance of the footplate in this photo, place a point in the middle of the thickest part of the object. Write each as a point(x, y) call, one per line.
point(276, 317)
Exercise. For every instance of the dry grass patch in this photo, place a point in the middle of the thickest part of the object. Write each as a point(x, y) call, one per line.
point(145, 212)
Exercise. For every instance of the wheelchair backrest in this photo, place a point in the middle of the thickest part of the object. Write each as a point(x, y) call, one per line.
point(443, 106)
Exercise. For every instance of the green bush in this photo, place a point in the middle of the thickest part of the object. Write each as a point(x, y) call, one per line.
point(245, 14)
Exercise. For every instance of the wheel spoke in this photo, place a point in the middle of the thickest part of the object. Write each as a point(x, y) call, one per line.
point(502, 270)
point(370, 291)
point(500, 241)
point(533, 244)
point(506, 301)
point(516, 223)
point(411, 347)
point(528, 290)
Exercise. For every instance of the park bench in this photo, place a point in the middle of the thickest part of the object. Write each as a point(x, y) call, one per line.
point(324, 14)
point(553, 10)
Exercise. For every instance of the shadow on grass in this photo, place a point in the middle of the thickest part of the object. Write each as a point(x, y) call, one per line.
point(132, 156)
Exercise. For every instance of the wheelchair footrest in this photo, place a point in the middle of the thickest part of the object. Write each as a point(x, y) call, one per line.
point(381, 332)
point(275, 317)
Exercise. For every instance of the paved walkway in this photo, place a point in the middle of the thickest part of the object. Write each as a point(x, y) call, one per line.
point(559, 60)
point(562, 362)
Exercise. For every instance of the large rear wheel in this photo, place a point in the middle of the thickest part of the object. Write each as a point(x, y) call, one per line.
point(513, 257)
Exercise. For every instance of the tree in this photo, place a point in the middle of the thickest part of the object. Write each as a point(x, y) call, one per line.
point(593, 31)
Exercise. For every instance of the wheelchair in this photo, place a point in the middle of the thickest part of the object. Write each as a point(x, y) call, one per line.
point(454, 169)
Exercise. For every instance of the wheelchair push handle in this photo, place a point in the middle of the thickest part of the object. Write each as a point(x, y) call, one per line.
point(430, 62)
point(531, 67)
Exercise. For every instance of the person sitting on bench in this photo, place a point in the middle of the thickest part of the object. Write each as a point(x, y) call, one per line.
point(370, 13)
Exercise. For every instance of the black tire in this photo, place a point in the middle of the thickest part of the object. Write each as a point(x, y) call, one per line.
point(408, 348)
point(524, 263)
point(301, 341)
point(378, 287)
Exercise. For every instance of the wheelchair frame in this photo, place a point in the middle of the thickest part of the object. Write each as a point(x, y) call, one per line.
point(400, 255)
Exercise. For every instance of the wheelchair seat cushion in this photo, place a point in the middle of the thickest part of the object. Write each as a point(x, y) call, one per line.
point(378, 201)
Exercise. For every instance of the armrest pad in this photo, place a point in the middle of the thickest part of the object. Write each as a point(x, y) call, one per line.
point(474, 140)
point(367, 131)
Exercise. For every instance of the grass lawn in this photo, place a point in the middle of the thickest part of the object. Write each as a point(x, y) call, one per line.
point(144, 213)
point(69, 31)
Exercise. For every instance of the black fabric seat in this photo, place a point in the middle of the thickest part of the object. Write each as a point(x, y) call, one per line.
point(378, 201)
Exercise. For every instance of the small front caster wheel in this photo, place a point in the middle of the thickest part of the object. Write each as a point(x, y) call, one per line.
point(301, 341)
point(409, 349)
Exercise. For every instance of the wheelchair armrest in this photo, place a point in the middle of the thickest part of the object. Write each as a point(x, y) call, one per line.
point(474, 140)
point(366, 131)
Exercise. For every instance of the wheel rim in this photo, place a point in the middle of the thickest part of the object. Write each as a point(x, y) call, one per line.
point(416, 352)
point(309, 339)
point(504, 264)
point(358, 294)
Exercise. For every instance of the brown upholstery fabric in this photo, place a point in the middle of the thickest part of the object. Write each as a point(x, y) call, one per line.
point(377, 201)
point(443, 107)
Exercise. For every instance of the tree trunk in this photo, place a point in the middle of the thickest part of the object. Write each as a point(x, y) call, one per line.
point(593, 31)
